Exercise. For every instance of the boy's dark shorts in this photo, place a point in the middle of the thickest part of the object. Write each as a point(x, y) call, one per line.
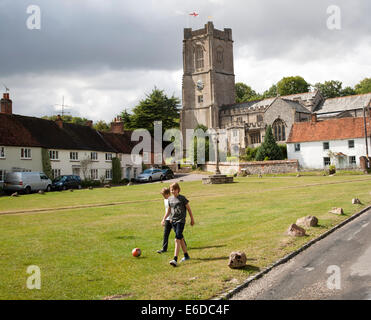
point(178, 228)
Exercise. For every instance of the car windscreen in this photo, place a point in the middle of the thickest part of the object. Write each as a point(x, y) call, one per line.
point(148, 171)
point(60, 179)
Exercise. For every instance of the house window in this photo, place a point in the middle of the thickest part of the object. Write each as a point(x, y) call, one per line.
point(135, 173)
point(109, 174)
point(94, 174)
point(200, 99)
point(279, 130)
point(255, 138)
point(145, 157)
point(25, 153)
point(326, 145)
point(297, 147)
point(54, 155)
point(259, 118)
point(326, 161)
point(94, 156)
point(74, 156)
point(108, 156)
point(2, 152)
point(56, 173)
point(352, 160)
point(350, 144)
point(235, 133)
point(199, 55)
point(2, 175)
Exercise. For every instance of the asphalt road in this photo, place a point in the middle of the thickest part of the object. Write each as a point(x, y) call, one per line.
point(337, 267)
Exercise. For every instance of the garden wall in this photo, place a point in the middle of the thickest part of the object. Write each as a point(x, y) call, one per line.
point(255, 167)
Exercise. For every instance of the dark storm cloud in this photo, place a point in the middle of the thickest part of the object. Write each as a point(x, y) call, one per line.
point(127, 35)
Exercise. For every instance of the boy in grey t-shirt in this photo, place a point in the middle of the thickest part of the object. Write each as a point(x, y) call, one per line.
point(178, 207)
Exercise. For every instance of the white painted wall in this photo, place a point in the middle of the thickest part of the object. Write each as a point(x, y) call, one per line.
point(13, 159)
point(311, 154)
point(66, 165)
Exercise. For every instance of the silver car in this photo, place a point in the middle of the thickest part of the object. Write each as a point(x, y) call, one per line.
point(150, 175)
point(27, 182)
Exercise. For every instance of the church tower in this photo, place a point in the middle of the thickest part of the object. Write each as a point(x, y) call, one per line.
point(208, 79)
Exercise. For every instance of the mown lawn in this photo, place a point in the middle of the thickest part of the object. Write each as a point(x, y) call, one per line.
point(86, 253)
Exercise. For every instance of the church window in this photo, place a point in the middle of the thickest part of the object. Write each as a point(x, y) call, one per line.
point(255, 138)
point(199, 57)
point(259, 118)
point(219, 56)
point(279, 130)
point(200, 99)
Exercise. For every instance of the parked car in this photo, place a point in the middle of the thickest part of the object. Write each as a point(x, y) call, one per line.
point(66, 182)
point(26, 182)
point(150, 175)
point(168, 173)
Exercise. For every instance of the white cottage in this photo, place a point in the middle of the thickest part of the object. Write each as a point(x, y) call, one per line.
point(73, 149)
point(340, 142)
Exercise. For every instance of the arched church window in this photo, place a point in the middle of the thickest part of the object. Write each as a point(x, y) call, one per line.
point(199, 55)
point(279, 130)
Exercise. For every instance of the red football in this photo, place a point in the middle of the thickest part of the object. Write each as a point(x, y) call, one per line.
point(136, 252)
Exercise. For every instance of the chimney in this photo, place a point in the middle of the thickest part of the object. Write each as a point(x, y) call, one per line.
point(117, 126)
point(59, 121)
point(89, 123)
point(314, 117)
point(6, 104)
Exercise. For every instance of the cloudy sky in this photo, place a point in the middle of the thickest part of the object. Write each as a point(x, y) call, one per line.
point(104, 55)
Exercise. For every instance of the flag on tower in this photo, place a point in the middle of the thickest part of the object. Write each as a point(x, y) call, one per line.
point(195, 14)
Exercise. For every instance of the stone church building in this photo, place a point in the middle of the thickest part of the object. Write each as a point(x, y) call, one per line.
point(209, 95)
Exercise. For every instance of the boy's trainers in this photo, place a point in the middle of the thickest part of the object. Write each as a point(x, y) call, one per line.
point(185, 259)
point(173, 263)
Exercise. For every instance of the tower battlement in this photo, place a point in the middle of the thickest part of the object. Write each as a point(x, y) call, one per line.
point(208, 30)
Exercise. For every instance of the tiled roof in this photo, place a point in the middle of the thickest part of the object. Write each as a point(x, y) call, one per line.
point(17, 130)
point(335, 129)
point(265, 103)
point(344, 103)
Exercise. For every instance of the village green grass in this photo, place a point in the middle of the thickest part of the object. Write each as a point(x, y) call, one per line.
point(86, 253)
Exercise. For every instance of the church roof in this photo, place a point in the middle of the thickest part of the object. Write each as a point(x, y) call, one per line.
point(340, 104)
point(334, 129)
point(261, 105)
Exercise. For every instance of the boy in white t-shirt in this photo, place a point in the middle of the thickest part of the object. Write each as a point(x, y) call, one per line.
point(167, 227)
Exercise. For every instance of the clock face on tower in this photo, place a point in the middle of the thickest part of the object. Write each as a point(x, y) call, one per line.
point(200, 85)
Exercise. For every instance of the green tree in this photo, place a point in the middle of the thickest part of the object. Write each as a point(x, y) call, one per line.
point(363, 86)
point(269, 148)
point(155, 107)
point(68, 119)
point(292, 85)
point(126, 118)
point(102, 126)
point(330, 89)
point(348, 91)
point(271, 92)
point(116, 170)
point(245, 93)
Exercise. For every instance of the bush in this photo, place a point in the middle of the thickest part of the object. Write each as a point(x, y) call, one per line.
point(269, 148)
point(331, 169)
point(116, 170)
point(90, 183)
